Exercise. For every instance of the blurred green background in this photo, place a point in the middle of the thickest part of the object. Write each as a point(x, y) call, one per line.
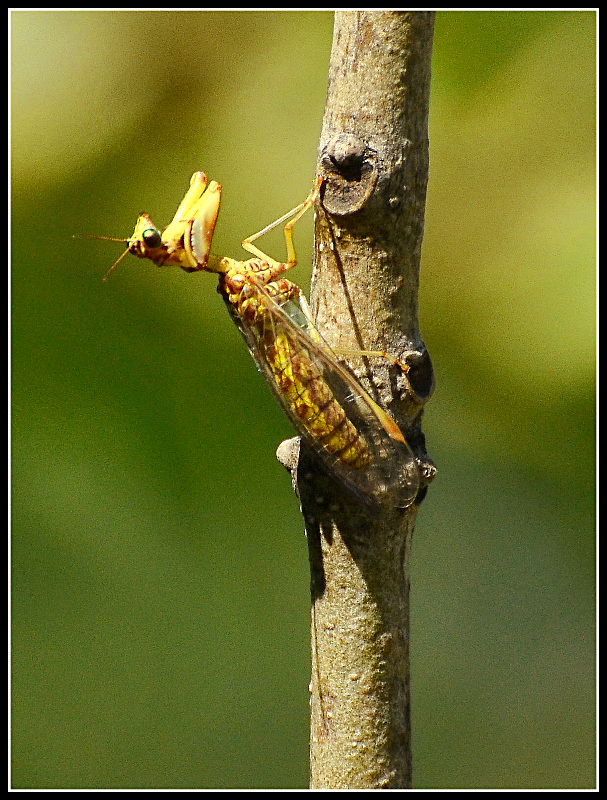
point(160, 597)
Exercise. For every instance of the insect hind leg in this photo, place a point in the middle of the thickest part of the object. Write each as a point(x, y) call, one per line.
point(293, 216)
point(396, 362)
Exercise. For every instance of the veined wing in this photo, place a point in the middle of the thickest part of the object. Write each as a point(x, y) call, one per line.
point(358, 442)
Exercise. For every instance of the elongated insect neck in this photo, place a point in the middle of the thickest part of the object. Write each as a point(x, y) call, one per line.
point(220, 264)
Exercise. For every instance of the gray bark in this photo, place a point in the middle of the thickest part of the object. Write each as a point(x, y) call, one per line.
point(369, 229)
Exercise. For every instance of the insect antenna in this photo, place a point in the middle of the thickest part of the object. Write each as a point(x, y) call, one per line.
point(105, 239)
point(96, 236)
point(118, 260)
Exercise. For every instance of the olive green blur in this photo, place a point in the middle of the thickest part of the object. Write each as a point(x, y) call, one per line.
point(160, 599)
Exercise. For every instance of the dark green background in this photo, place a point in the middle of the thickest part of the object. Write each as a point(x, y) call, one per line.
point(160, 580)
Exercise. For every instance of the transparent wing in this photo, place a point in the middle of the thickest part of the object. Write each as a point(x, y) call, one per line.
point(325, 402)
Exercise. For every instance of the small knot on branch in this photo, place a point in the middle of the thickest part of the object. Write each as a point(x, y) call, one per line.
point(349, 167)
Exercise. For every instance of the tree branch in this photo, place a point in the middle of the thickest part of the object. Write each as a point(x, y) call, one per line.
point(374, 155)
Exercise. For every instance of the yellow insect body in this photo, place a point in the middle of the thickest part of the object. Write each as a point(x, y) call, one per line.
point(355, 438)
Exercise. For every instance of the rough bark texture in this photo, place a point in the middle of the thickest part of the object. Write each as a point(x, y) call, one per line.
point(369, 228)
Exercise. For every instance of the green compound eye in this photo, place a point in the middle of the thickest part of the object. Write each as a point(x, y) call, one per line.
point(151, 238)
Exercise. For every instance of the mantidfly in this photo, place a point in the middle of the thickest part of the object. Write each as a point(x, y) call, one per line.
point(358, 441)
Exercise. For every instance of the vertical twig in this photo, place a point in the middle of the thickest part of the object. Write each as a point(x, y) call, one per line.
point(374, 154)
